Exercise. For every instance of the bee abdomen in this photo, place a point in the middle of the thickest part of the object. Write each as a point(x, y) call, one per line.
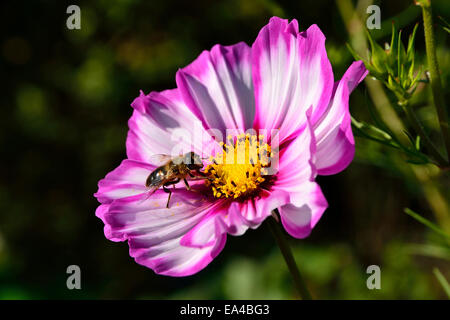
point(155, 177)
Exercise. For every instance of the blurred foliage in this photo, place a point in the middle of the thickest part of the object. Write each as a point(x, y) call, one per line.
point(64, 111)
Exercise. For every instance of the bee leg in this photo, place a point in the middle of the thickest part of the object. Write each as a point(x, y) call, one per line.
point(165, 185)
point(199, 178)
point(187, 184)
point(200, 173)
point(168, 199)
point(170, 195)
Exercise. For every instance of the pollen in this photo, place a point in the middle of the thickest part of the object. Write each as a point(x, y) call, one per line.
point(240, 169)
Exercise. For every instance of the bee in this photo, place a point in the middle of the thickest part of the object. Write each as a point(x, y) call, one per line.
point(172, 171)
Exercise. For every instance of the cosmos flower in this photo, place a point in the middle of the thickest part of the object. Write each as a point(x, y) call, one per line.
point(283, 83)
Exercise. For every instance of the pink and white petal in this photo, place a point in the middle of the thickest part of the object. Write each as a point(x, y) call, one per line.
point(236, 218)
point(233, 218)
point(204, 234)
point(269, 201)
point(333, 132)
point(162, 124)
point(235, 222)
point(149, 217)
point(100, 213)
point(275, 72)
point(154, 232)
point(250, 213)
point(218, 88)
point(306, 202)
point(296, 162)
point(128, 179)
point(301, 215)
point(337, 150)
point(172, 259)
point(291, 73)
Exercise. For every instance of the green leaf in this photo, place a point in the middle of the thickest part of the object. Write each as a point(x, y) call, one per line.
point(378, 56)
point(411, 70)
point(416, 79)
point(429, 250)
point(377, 120)
point(418, 143)
point(401, 55)
point(440, 277)
point(410, 50)
point(371, 130)
point(426, 222)
point(410, 137)
point(447, 25)
point(401, 76)
point(417, 161)
point(354, 54)
point(394, 40)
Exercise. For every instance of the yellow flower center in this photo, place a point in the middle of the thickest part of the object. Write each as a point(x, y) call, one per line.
point(239, 170)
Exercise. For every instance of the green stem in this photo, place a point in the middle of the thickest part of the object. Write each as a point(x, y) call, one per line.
point(289, 258)
point(435, 78)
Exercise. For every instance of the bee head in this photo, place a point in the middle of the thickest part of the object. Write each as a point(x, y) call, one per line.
point(193, 161)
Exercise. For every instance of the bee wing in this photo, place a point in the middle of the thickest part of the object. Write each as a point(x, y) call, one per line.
point(159, 159)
